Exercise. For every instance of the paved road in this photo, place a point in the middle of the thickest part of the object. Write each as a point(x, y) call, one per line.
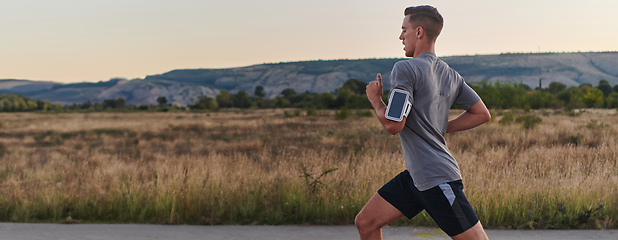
point(18, 231)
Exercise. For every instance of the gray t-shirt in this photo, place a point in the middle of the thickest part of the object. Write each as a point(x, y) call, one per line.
point(433, 88)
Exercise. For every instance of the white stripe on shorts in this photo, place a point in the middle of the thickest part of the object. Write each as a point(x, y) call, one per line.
point(448, 192)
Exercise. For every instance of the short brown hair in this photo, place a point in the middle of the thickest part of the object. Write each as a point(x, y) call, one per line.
point(426, 17)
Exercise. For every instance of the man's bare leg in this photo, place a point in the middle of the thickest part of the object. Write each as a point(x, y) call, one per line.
point(475, 232)
point(374, 215)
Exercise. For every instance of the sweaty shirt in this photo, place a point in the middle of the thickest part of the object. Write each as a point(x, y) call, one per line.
point(433, 88)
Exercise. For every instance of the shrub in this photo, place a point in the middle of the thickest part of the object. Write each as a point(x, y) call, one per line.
point(3, 150)
point(594, 124)
point(528, 121)
point(507, 118)
point(364, 113)
point(571, 112)
point(286, 114)
point(311, 111)
point(343, 114)
point(313, 183)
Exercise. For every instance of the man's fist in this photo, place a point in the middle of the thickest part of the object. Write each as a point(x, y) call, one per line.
point(374, 89)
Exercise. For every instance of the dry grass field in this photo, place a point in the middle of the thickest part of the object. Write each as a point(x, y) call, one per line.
point(259, 167)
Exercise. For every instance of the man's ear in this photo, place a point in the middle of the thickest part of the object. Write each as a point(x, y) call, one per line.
point(419, 32)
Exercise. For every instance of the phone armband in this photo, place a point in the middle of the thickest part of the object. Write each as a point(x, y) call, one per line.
point(398, 105)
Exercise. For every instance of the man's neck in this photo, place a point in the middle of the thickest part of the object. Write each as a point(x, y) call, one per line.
point(423, 49)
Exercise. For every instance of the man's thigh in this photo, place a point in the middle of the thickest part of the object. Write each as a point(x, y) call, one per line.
point(449, 208)
point(388, 204)
point(402, 194)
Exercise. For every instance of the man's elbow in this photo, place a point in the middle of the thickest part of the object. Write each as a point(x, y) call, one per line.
point(486, 117)
point(392, 131)
point(394, 128)
point(480, 110)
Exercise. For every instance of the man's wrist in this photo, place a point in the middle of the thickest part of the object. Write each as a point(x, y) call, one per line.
point(374, 99)
point(377, 103)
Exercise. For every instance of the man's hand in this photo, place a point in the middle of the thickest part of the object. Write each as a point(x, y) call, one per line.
point(374, 90)
point(374, 94)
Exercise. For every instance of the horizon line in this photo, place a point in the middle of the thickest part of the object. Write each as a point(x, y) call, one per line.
point(313, 60)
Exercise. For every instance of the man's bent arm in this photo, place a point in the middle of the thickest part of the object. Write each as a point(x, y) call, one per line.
point(475, 116)
point(374, 94)
point(391, 126)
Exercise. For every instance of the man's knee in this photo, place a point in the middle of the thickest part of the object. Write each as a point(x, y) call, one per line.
point(367, 223)
point(364, 222)
point(375, 214)
point(476, 232)
point(359, 221)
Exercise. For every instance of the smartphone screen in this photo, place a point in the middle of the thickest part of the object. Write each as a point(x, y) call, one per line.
point(396, 105)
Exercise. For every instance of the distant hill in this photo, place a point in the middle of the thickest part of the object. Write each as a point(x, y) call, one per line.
point(184, 86)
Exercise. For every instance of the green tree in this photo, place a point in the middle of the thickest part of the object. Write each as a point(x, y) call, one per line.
point(500, 95)
point(612, 100)
point(488, 93)
point(212, 104)
point(593, 98)
point(47, 106)
point(605, 87)
point(584, 85)
point(282, 102)
point(358, 101)
point(224, 99)
point(343, 94)
point(259, 92)
point(577, 95)
point(16, 102)
point(40, 105)
point(58, 106)
point(355, 85)
point(86, 105)
point(267, 103)
point(19, 105)
point(205, 102)
point(97, 106)
point(241, 99)
point(7, 105)
point(109, 103)
point(542, 99)
point(288, 92)
point(162, 100)
point(120, 102)
point(112, 103)
point(566, 94)
point(556, 87)
point(31, 105)
point(326, 100)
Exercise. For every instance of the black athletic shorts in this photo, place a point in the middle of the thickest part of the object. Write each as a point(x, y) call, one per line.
point(445, 203)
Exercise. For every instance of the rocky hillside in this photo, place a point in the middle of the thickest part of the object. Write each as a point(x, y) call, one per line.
point(186, 85)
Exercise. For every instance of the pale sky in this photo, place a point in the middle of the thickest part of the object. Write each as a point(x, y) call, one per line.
point(94, 40)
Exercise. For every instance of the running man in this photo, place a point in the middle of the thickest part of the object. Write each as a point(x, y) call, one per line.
point(424, 88)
